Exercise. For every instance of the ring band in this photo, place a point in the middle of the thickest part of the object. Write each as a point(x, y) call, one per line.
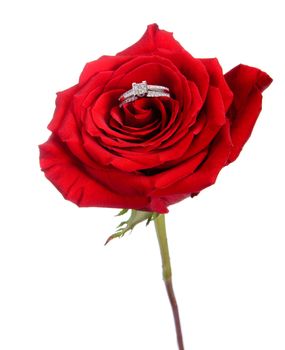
point(142, 89)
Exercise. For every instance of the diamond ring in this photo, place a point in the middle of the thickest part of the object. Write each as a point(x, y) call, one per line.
point(142, 89)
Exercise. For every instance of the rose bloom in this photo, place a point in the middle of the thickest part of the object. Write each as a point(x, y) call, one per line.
point(155, 151)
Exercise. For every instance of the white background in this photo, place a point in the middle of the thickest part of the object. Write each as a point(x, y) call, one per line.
point(60, 288)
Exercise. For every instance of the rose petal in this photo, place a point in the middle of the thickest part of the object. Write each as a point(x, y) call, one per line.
point(62, 103)
point(206, 174)
point(215, 118)
point(104, 63)
point(79, 187)
point(217, 79)
point(247, 84)
point(152, 39)
point(179, 171)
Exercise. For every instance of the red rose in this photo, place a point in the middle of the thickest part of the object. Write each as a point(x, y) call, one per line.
point(152, 152)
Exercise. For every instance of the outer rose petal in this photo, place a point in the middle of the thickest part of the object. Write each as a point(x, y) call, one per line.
point(205, 175)
point(153, 39)
point(247, 84)
point(104, 63)
point(76, 185)
point(63, 101)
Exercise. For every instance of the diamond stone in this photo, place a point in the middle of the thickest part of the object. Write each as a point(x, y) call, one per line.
point(140, 89)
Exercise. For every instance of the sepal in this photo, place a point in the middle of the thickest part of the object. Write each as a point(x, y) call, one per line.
point(137, 216)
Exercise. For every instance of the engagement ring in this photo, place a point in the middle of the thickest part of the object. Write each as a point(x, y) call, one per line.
point(142, 89)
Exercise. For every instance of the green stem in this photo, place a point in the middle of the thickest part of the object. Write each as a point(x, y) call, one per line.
point(167, 275)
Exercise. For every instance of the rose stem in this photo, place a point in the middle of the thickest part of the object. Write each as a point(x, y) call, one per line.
point(167, 275)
